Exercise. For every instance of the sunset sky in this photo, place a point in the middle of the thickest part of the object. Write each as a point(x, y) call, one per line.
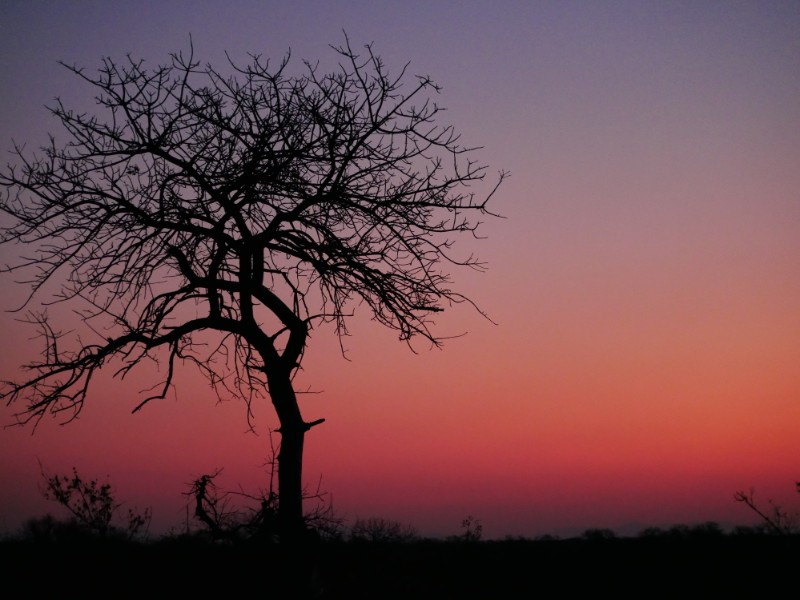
point(644, 281)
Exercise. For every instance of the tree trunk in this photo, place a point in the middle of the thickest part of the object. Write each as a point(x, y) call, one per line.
point(290, 485)
point(291, 526)
point(295, 576)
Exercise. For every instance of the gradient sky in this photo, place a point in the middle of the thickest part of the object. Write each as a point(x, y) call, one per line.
point(645, 280)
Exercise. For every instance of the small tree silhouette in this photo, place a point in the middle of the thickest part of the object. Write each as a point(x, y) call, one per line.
point(92, 505)
point(215, 220)
point(472, 530)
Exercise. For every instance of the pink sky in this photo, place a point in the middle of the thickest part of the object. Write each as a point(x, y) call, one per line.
point(645, 280)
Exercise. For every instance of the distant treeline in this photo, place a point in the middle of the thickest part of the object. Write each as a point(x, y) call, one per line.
point(681, 561)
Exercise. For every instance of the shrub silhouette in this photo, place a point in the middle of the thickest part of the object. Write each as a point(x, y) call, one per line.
point(379, 530)
point(92, 508)
point(599, 534)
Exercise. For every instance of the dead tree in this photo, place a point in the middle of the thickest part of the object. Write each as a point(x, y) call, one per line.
point(215, 218)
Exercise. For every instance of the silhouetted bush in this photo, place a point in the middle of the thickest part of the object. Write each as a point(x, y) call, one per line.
point(472, 530)
point(92, 508)
point(652, 532)
point(599, 534)
point(707, 529)
point(378, 530)
point(48, 529)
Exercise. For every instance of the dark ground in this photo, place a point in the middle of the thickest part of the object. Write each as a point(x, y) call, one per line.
point(722, 566)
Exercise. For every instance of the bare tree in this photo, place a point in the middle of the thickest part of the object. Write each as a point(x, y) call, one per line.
point(216, 219)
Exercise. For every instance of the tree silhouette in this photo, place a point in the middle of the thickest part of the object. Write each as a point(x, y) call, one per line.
point(216, 219)
point(93, 505)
